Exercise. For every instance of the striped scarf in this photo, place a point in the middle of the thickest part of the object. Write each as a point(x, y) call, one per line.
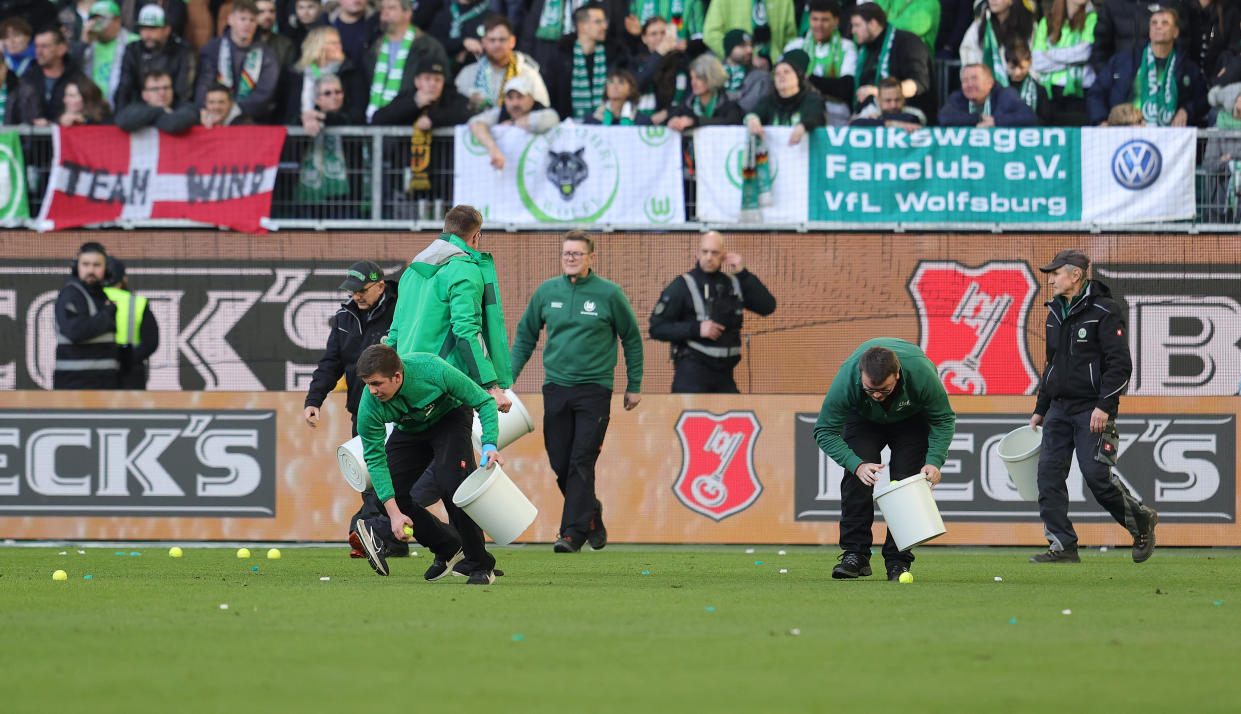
point(671, 10)
point(992, 54)
point(460, 18)
point(1156, 93)
point(736, 76)
point(587, 89)
point(825, 58)
point(556, 19)
point(251, 67)
point(625, 119)
point(1029, 92)
point(387, 79)
point(705, 111)
point(882, 65)
point(482, 80)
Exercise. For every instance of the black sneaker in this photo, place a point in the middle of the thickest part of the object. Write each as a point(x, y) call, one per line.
point(895, 570)
point(851, 565)
point(1056, 556)
point(566, 544)
point(481, 577)
point(373, 546)
point(459, 570)
point(1144, 541)
point(597, 536)
point(442, 568)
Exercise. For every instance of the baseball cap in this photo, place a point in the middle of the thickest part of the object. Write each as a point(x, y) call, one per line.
point(361, 274)
point(519, 83)
point(430, 65)
point(151, 16)
point(1070, 256)
point(105, 8)
point(732, 38)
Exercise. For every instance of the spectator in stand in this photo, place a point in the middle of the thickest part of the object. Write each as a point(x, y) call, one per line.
point(307, 15)
point(324, 186)
point(1123, 27)
point(549, 23)
point(1157, 78)
point(892, 109)
point(747, 85)
point(955, 17)
point(1030, 91)
point(158, 49)
point(19, 102)
point(52, 71)
point(987, 40)
point(358, 26)
point(620, 103)
point(84, 104)
point(770, 24)
point(884, 51)
point(433, 102)
point(684, 19)
point(175, 14)
point(833, 59)
point(158, 107)
point(920, 17)
point(709, 104)
point(219, 109)
point(394, 56)
point(459, 27)
point(582, 67)
point(1124, 115)
point(322, 54)
point(17, 37)
point(1222, 161)
point(1210, 30)
point(287, 53)
point(519, 109)
point(482, 82)
point(106, 44)
point(38, 15)
point(241, 63)
point(660, 68)
point(982, 102)
point(74, 18)
point(1062, 46)
point(792, 103)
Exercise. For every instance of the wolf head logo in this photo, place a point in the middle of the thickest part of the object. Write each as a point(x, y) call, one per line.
point(567, 170)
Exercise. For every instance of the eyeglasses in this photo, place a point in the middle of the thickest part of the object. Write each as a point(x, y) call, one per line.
point(880, 393)
point(572, 255)
point(364, 290)
point(330, 92)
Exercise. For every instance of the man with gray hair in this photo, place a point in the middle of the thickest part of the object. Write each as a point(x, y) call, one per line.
point(1088, 368)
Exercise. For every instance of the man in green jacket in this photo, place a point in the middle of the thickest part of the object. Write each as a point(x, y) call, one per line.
point(887, 393)
point(430, 403)
point(584, 315)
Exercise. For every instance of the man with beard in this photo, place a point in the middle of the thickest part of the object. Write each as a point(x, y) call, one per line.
point(87, 356)
point(241, 62)
point(158, 49)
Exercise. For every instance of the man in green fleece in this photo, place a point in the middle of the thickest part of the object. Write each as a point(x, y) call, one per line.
point(887, 393)
point(430, 403)
point(584, 315)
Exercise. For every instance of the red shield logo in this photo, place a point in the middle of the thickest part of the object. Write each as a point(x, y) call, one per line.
point(972, 325)
point(717, 465)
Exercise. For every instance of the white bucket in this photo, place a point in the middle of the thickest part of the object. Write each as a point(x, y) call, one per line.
point(353, 464)
point(493, 501)
point(1019, 451)
point(910, 511)
point(514, 424)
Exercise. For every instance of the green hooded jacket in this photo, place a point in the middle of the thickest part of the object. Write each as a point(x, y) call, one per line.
point(449, 305)
point(430, 389)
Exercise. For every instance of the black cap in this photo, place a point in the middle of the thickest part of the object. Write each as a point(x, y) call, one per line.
point(1071, 256)
point(732, 38)
point(430, 65)
point(361, 274)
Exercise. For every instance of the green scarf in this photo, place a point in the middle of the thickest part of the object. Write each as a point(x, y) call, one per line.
point(736, 76)
point(758, 16)
point(985, 109)
point(803, 27)
point(755, 180)
point(882, 65)
point(557, 19)
point(625, 119)
point(1155, 92)
point(706, 111)
point(991, 54)
point(460, 18)
point(388, 73)
point(825, 58)
point(1030, 94)
point(671, 10)
point(323, 171)
point(586, 90)
point(250, 68)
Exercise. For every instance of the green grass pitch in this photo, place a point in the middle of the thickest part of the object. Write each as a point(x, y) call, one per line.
point(629, 629)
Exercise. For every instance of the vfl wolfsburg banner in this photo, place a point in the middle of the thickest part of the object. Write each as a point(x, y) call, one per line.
point(13, 201)
point(575, 173)
point(719, 154)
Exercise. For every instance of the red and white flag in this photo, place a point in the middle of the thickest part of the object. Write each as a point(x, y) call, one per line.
point(223, 176)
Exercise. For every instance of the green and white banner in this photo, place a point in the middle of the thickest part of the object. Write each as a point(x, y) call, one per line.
point(575, 173)
point(13, 199)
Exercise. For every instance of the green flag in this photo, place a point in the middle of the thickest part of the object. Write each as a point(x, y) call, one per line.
point(13, 203)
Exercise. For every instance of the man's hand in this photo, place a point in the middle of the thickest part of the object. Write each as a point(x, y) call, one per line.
point(423, 123)
point(866, 92)
point(795, 136)
point(311, 415)
point(868, 473)
point(680, 123)
point(732, 263)
point(755, 126)
point(497, 159)
point(631, 400)
point(399, 520)
point(710, 329)
point(1098, 421)
point(1036, 420)
point(986, 121)
point(932, 474)
point(312, 121)
point(1181, 118)
point(491, 456)
point(204, 118)
point(473, 46)
point(503, 403)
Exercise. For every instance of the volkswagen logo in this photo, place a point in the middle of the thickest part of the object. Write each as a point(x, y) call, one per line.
point(1136, 164)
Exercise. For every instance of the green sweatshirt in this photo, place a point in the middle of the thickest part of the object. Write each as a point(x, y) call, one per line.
point(431, 388)
point(919, 391)
point(583, 320)
point(448, 304)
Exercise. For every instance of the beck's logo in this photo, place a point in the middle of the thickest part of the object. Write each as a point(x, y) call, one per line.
point(717, 465)
point(972, 324)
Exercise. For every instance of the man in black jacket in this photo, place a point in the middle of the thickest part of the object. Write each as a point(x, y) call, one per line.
point(433, 102)
point(982, 103)
point(157, 49)
point(87, 356)
point(884, 51)
point(700, 313)
point(53, 69)
point(1088, 368)
point(1157, 77)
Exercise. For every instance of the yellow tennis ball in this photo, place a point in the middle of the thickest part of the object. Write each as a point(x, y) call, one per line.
point(174, 552)
point(243, 552)
point(273, 554)
point(907, 577)
point(409, 531)
point(60, 575)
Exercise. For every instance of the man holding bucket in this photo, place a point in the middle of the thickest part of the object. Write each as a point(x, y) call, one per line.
point(430, 402)
point(887, 393)
point(584, 316)
point(1088, 367)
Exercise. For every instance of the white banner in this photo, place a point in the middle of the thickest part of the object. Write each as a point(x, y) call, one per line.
point(719, 152)
point(1135, 174)
point(575, 173)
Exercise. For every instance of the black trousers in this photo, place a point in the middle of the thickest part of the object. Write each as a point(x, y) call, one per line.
point(425, 493)
point(575, 420)
point(696, 375)
point(1064, 433)
point(908, 442)
point(446, 449)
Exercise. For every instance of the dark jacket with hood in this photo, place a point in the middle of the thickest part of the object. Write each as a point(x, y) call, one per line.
point(1088, 363)
point(353, 330)
point(450, 109)
point(87, 356)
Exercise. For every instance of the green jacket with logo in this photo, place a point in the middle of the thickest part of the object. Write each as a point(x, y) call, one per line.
point(919, 392)
point(583, 321)
point(431, 388)
point(448, 304)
